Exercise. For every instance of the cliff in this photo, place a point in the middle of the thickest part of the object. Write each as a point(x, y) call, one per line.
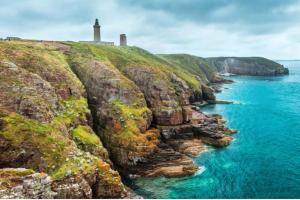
point(253, 66)
point(200, 68)
point(45, 127)
point(73, 116)
point(195, 65)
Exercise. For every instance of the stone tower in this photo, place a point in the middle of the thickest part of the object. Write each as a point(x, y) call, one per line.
point(123, 40)
point(97, 35)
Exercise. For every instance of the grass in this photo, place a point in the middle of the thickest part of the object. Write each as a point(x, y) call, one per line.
point(136, 57)
point(15, 172)
point(193, 64)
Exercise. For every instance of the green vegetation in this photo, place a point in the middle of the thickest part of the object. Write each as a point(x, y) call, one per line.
point(193, 64)
point(43, 59)
point(124, 122)
point(85, 135)
point(53, 141)
point(81, 56)
point(64, 145)
point(128, 119)
point(78, 164)
point(60, 154)
point(131, 57)
point(129, 112)
point(16, 172)
point(72, 110)
point(48, 140)
point(136, 57)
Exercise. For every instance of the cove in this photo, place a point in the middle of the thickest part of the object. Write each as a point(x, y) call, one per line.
point(263, 161)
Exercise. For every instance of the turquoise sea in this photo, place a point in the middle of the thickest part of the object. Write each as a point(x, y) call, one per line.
point(264, 159)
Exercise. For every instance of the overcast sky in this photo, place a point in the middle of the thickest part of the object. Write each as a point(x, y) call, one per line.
point(269, 28)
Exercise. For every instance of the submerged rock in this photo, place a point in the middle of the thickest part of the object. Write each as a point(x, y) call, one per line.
point(189, 147)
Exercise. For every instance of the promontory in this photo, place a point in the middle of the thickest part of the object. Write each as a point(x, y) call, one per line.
point(75, 117)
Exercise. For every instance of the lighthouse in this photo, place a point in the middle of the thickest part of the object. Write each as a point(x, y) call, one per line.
point(97, 34)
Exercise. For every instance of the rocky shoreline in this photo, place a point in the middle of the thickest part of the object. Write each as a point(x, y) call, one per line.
point(179, 144)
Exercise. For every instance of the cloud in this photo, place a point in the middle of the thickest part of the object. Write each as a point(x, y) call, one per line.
point(202, 27)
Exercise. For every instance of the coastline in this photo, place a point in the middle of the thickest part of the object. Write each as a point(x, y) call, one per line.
point(185, 142)
point(109, 112)
point(233, 171)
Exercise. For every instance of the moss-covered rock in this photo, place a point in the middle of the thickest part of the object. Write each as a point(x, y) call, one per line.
point(45, 60)
point(165, 87)
point(119, 108)
point(87, 140)
point(45, 121)
point(27, 93)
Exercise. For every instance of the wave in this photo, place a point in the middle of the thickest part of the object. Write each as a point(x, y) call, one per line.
point(200, 171)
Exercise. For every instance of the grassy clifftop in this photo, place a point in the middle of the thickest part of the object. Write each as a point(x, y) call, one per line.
point(124, 57)
point(193, 64)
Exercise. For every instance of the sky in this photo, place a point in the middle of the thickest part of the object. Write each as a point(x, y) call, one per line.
point(268, 28)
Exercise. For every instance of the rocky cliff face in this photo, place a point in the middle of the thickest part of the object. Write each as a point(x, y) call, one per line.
point(72, 114)
point(119, 108)
point(45, 126)
point(134, 97)
point(254, 66)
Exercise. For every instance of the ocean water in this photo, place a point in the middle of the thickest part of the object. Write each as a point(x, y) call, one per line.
point(264, 159)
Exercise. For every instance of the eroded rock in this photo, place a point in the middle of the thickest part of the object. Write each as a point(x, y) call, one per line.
point(119, 109)
point(25, 184)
